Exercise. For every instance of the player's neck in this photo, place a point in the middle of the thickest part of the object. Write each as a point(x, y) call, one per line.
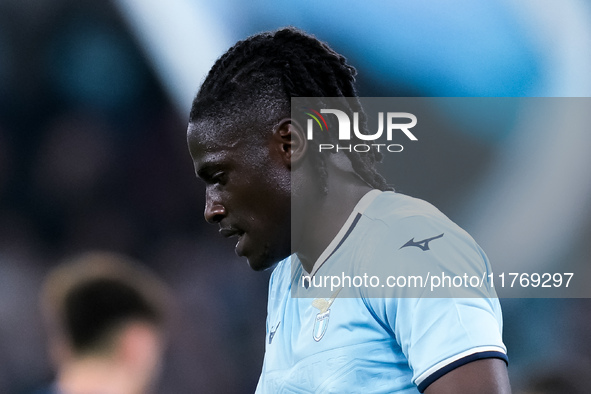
point(329, 216)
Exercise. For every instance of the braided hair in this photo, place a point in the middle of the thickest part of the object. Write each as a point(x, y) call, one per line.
point(259, 76)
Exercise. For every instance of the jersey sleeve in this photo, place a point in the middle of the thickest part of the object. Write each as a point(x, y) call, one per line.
point(438, 335)
point(438, 331)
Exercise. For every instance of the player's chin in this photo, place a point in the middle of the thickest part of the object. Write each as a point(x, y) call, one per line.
point(261, 264)
point(263, 261)
point(264, 255)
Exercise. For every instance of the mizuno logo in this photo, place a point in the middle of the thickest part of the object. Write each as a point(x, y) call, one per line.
point(423, 245)
point(273, 331)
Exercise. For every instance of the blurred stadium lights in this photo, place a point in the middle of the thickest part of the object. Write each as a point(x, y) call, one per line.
point(182, 40)
point(561, 31)
point(536, 197)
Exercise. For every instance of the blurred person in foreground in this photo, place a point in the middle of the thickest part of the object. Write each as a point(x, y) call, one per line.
point(107, 319)
point(308, 213)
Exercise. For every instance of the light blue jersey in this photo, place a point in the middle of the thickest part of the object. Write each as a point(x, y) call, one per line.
point(351, 341)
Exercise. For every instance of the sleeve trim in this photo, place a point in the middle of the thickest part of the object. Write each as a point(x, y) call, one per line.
point(440, 369)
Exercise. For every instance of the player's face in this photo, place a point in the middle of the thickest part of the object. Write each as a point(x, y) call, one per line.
point(247, 192)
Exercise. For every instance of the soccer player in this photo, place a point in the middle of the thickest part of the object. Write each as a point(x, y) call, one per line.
point(106, 319)
point(307, 213)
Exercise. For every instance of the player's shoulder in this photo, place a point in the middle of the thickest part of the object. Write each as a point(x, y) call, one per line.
point(399, 225)
point(395, 213)
point(393, 206)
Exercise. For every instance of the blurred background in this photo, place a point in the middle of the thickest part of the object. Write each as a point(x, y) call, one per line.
point(94, 101)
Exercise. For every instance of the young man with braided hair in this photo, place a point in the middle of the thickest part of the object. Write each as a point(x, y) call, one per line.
point(307, 212)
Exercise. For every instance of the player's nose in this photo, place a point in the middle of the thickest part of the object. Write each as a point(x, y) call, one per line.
point(214, 210)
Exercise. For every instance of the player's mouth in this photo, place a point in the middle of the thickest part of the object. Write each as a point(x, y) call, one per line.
point(229, 232)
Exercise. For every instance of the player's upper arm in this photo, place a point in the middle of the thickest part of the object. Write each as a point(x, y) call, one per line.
point(487, 376)
point(445, 333)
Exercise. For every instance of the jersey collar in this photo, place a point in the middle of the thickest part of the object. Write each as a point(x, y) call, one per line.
point(344, 232)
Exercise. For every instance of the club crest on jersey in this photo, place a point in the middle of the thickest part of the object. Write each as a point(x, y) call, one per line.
point(322, 318)
point(320, 325)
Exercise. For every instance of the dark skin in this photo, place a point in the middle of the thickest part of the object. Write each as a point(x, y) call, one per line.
point(318, 219)
point(487, 376)
point(246, 205)
point(326, 214)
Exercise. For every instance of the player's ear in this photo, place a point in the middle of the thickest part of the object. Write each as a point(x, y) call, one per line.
point(290, 139)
